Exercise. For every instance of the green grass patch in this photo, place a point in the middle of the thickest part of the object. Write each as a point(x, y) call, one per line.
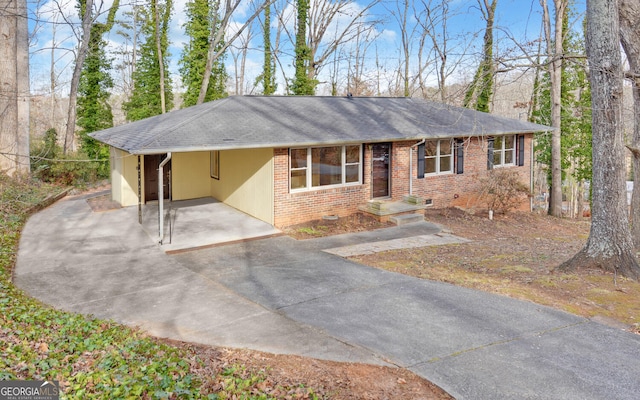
point(313, 231)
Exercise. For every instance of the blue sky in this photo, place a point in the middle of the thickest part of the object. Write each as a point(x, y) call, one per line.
point(517, 18)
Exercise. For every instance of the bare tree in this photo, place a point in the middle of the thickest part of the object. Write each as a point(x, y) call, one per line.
point(283, 34)
point(402, 14)
point(555, 52)
point(356, 80)
point(14, 88)
point(81, 54)
point(220, 25)
point(90, 12)
point(434, 16)
point(349, 21)
point(630, 39)
point(129, 28)
point(239, 53)
point(610, 245)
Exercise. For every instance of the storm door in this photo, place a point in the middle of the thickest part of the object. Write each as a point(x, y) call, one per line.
point(381, 170)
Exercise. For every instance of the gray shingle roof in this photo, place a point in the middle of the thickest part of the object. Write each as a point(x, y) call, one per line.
point(290, 121)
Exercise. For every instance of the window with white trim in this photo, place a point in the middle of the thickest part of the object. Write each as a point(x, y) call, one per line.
point(504, 150)
point(321, 167)
point(438, 156)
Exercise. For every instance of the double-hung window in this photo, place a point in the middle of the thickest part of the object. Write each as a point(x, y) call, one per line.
point(320, 167)
point(504, 151)
point(438, 157)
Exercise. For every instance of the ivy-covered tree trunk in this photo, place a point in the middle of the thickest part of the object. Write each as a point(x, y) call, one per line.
point(200, 22)
point(302, 85)
point(630, 39)
point(610, 246)
point(268, 70)
point(481, 88)
point(93, 110)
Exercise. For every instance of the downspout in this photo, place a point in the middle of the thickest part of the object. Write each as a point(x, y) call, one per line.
point(161, 197)
point(411, 165)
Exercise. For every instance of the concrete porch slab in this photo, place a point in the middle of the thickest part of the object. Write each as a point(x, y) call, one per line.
point(201, 223)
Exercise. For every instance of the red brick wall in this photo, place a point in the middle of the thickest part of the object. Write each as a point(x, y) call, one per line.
point(294, 208)
point(463, 189)
point(444, 190)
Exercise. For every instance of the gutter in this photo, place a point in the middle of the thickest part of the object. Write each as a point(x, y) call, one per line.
point(411, 165)
point(161, 197)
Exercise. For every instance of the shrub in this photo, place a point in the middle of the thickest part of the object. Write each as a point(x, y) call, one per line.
point(49, 164)
point(502, 190)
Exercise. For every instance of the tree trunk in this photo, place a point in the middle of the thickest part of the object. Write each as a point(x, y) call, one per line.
point(630, 38)
point(610, 246)
point(216, 37)
point(83, 47)
point(158, 37)
point(14, 88)
point(24, 95)
point(555, 52)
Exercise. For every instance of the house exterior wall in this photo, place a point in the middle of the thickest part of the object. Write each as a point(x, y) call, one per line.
point(463, 190)
point(256, 181)
point(124, 177)
point(190, 175)
point(294, 208)
point(444, 190)
point(246, 182)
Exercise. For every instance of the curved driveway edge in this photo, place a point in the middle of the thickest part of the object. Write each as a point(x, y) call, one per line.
point(284, 296)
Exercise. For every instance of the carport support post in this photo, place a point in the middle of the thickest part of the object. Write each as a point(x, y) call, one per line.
point(139, 193)
point(161, 197)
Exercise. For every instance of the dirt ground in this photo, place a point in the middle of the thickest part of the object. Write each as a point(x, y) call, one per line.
point(294, 377)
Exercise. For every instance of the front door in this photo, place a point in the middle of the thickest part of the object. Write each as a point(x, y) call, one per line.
point(381, 169)
point(151, 165)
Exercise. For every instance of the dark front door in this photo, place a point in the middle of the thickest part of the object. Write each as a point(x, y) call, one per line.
point(151, 165)
point(381, 168)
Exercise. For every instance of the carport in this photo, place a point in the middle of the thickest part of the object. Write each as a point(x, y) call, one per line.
point(201, 223)
point(188, 224)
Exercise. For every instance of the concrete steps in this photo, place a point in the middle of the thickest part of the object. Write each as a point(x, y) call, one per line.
point(409, 210)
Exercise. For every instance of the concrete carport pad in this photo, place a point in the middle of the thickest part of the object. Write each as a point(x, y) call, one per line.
point(198, 223)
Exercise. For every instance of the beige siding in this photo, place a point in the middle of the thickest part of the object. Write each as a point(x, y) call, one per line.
point(124, 177)
point(190, 175)
point(246, 182)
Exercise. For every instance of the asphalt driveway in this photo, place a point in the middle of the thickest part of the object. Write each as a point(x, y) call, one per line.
point(284, 296)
